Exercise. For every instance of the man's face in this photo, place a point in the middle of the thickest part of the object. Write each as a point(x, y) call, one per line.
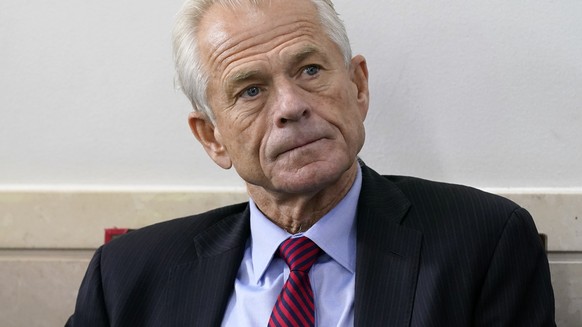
point(289, 113)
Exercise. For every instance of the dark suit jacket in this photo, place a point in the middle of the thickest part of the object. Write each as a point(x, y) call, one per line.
point(428, 254)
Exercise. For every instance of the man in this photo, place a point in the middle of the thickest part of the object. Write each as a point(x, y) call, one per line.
point(278, 96)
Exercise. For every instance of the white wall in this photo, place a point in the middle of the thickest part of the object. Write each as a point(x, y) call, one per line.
point(485, 93)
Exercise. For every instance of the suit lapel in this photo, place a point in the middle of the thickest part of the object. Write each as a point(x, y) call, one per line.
point(387, 255)
point(201, 283)
point(386, 268)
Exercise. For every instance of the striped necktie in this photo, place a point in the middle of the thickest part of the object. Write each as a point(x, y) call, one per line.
point(294, 306)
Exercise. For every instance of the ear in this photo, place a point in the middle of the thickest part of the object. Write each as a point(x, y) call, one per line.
point(210, 138)
point(359, 72)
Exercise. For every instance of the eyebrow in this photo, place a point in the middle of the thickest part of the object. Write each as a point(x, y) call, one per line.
point(242, 76)
point(304, 53)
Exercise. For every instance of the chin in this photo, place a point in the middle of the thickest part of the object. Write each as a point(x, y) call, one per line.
point(312, 178)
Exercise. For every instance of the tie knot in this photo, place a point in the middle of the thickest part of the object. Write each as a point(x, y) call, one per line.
point(299, 253)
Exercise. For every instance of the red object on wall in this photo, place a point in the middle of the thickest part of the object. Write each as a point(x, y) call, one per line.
point(111, 233)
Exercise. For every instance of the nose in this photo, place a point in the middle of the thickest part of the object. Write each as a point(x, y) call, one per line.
point(290, 105)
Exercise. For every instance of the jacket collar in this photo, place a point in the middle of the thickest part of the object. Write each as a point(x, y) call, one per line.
point(214, 257)
point(386, 266)
point(387, 255)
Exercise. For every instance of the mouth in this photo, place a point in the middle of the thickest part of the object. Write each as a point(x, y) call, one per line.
point(298, 146)
point(302, 145)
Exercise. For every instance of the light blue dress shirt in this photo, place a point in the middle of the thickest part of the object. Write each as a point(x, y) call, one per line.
point(261, 275)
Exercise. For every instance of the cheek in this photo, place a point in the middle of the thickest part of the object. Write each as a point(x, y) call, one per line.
point(342, 111)
point(345, 114)
point(247, 143)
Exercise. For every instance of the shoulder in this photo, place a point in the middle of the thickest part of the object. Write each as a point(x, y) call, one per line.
point(458, 212)
point(129, 275)
point(443, 196)
point(432, 201)
point(163, 243)
point(185, 227)
point(436, 207)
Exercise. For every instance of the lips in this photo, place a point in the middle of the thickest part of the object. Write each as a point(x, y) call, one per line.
point(294, 143)
point(304, 144)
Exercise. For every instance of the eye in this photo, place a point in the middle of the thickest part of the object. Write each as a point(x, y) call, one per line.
point(312, 70)
point(251, 92)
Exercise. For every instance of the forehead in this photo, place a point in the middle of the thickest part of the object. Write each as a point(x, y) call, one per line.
point(221, 21)
point(228, 34)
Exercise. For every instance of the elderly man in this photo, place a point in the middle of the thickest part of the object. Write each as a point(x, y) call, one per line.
point(324, 240)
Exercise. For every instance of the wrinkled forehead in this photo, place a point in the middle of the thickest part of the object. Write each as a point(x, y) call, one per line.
point(245, 5)
point(233, 4)
point(227, 31)
point(241, 14)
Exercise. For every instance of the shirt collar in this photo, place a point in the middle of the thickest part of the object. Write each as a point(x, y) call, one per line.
point(334, 233)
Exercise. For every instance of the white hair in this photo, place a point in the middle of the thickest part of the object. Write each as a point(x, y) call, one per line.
point(190, 75)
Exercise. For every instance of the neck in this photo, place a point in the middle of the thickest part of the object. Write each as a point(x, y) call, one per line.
point(298, 212)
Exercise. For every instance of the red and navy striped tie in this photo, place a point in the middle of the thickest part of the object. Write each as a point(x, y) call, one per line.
point(294, 306)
